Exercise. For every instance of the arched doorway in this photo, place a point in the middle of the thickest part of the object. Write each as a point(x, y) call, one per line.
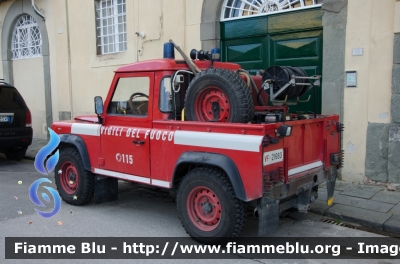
point(26, 63)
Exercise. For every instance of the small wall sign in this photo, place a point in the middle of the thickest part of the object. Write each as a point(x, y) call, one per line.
point(351, 78)
point(358, 52)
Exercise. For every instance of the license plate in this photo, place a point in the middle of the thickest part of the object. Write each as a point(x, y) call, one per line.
point(272, 157)
point(5, 119)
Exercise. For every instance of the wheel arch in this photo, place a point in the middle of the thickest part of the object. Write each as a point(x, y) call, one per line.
point(79, 144)
point(194, 159)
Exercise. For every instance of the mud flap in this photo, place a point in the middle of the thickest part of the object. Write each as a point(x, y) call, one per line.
point(268, 216)
point(105, 189)
point(330, 185)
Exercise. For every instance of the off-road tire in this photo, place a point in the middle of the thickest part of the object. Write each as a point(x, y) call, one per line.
point(85, 184)
point(230, 84)
point(16, 153)
point(232, 215)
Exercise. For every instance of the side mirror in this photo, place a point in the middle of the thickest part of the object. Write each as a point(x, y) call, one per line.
point(98, 105)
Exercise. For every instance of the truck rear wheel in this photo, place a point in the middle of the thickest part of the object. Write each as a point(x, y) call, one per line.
point(74, 183)
point(207, 206)
point(219, 95)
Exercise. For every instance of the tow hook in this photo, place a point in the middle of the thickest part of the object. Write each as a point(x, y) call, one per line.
point(314, 195)
point(255, 212)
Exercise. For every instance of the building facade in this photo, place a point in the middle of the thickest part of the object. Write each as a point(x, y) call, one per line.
point(62, 53)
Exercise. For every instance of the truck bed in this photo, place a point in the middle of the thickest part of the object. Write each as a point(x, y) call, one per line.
point(308, 148)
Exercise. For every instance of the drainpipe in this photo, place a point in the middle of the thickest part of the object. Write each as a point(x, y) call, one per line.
point(37, 11)
point(71, 105)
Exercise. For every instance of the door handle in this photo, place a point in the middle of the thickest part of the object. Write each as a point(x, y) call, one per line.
point(137, 142)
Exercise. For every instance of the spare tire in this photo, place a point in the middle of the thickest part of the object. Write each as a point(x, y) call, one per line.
point(219, 95)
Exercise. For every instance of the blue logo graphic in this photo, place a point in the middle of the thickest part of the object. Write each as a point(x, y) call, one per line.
point(35, 199)
point(44, 162)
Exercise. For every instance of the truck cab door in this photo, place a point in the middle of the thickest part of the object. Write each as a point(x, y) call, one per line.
point(127, 123)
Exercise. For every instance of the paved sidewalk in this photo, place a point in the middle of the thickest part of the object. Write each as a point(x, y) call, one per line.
point(370, 206)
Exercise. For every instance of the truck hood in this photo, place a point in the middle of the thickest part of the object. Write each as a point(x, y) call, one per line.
point(87, 118)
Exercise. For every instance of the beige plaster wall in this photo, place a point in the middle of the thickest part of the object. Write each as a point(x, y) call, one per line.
point(397, 17)
point(91, 74)
point(28, 78)
point(56, 24)
point(370, 25)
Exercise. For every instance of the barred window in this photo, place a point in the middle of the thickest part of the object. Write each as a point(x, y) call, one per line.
point(242, 8)
point(110, 26)
point(26, 39)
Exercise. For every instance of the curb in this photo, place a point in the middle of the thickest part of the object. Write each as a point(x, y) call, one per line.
point(390, 225)
point(350, 219)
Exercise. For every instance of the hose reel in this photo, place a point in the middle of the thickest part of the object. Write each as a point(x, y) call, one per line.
point(286, 83)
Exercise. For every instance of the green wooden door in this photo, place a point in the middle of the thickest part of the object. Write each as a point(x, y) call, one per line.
point(288, 39)
point(250, 53)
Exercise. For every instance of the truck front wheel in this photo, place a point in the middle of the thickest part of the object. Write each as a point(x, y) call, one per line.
point(74, 183)
point(207, 206)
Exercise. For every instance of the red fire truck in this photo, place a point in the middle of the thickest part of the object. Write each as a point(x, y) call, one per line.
point(204, 130)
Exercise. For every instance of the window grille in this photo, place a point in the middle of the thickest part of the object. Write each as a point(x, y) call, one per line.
point(243, 8)
point(26, 39)
point(111, 26)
